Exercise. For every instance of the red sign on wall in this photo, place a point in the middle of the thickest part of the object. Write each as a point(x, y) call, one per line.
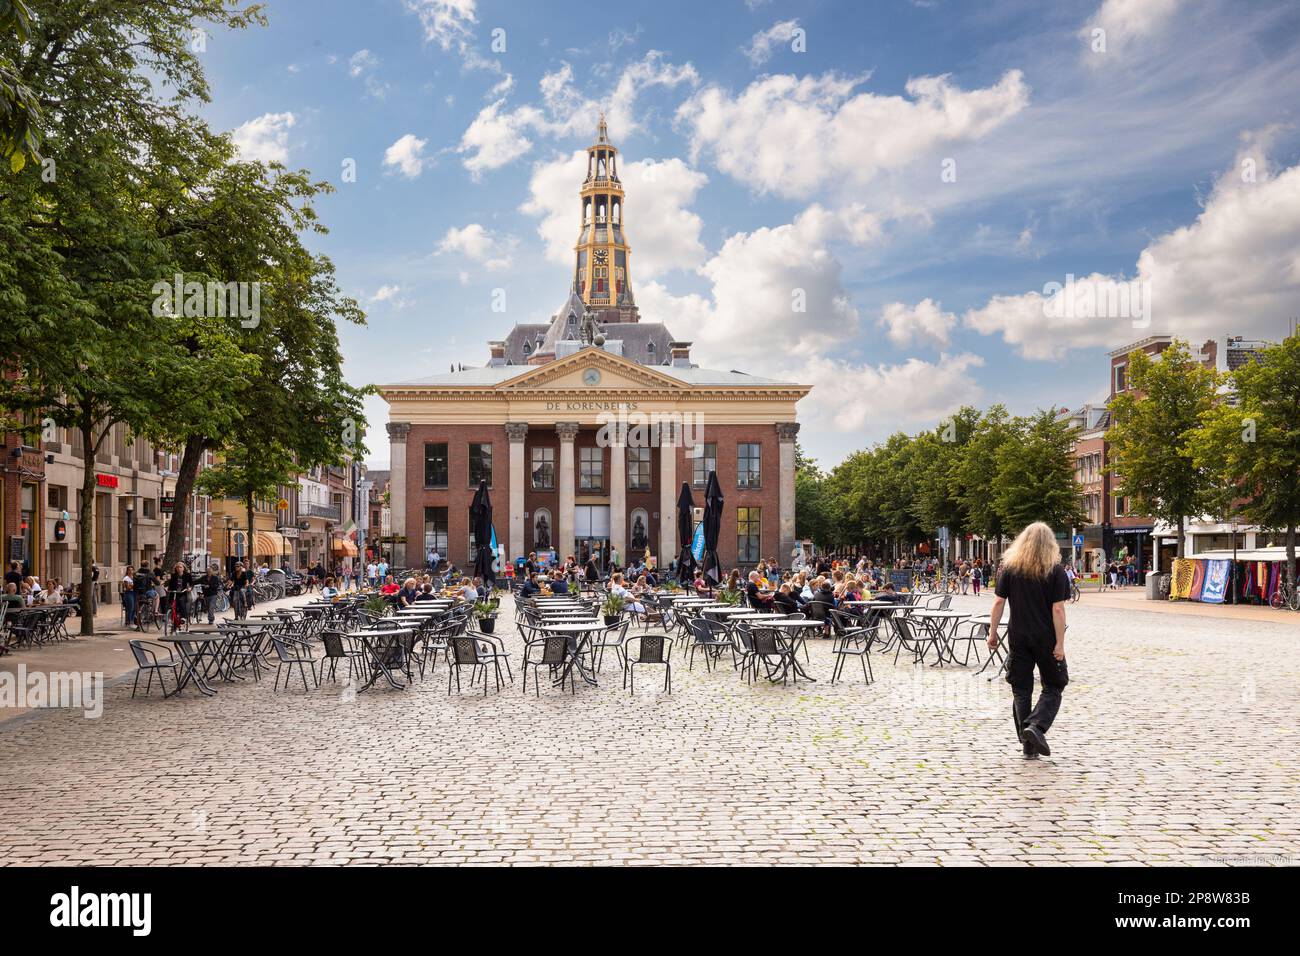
point(106, 481)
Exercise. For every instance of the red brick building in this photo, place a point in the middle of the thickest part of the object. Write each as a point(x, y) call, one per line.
point(586, 427)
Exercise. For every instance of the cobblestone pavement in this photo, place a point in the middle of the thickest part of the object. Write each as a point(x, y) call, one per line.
point(1177, 743)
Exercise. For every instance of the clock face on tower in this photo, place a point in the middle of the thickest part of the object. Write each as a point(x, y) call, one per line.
point(591, 376)
point(601, 257)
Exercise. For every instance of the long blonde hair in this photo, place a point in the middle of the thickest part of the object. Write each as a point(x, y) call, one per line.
point(1034, 553)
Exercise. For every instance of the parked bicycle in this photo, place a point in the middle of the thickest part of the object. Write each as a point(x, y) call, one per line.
point(1285, 596)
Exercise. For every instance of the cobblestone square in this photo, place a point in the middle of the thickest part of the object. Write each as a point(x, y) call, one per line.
point(1177, 743)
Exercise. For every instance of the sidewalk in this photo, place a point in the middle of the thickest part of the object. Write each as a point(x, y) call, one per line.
point(1135, 599)
point(107, 652)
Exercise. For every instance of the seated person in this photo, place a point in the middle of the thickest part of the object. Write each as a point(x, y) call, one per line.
point(616, 587)
point(530, 586)
point(426, 592)
point(407, 596)
point(887, 593)
point(784, 601)
point(329, 592)
point(390, 586)
point(757, 599)
point(11, 596)
point(701, 585)
point(650, 578)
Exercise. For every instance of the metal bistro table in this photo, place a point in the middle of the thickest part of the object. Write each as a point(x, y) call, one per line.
point(378, 665)
point(797, 634)
point(998, 654)
point(201, 651)
point(579, 634)
point(944, 628)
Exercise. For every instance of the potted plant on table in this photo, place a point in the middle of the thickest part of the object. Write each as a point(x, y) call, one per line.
point(485, 612)
point(612, 609)
point(728, 596)
point(377, 605)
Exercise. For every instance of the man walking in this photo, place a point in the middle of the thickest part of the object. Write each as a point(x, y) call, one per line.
point(1032, 580)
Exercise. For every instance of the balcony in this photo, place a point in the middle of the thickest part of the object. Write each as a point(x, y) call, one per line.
point(332, 513)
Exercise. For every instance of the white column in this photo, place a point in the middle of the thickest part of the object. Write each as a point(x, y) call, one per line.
point(516, 432)
point(397, 432)
point(564, 523)
point(618, 499)
point(668, 488)
point(785, 436)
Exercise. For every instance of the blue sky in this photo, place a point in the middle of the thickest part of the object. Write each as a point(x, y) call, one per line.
point(916, 172)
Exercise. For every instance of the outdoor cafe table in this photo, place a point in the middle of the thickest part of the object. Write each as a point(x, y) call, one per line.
point(794, 632)
point(945, 627)
point(200, 651)
point(377, 665)
point(997, 654)
point(579, 633)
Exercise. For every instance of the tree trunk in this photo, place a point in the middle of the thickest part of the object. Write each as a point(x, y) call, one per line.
point(252, 538)
point(1182, 548)
point(195, 445)
point(86, 524)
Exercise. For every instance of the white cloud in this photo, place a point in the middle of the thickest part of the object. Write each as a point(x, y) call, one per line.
point(363, 61)
point(385, 292)
point(480, 245)
point(761, 45)
point(1235, 268)
point(407, 155)
point(773, 286)
point(923, 322)
point(265, 138)
point(499, 135)
point(793, 135)
point(448, 23)
point(851, 397)
point(663, 231)
point(1123, 23)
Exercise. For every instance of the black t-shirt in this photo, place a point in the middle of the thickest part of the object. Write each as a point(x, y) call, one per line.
point(211, 584)
point(1031, 601)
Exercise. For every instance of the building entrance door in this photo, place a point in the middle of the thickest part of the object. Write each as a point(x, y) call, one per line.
point(591, 534)
point(597, 548)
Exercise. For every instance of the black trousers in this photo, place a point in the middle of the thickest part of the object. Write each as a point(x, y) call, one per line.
point(1054, 675)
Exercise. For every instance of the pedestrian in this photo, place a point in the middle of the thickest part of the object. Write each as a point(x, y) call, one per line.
point(1033, 582)
point(211, 587)
point(976, 578)
point(372, 573)
point(128, 596)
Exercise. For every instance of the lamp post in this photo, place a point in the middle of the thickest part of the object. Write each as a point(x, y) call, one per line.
point(230, 565)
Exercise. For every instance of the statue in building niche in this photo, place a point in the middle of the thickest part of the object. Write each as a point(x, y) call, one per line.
point(543, 534)
point(638, 534)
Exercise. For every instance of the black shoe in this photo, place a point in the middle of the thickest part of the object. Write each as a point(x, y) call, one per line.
point(1034, 738)
point(1030, 752)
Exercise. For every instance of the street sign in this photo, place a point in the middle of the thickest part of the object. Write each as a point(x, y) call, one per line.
point(282, 504)
point(167, 504)
point(1078, 541)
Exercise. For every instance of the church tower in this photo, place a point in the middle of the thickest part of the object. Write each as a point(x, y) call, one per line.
point(602, 279)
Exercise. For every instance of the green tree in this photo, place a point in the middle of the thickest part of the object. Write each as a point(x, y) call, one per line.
point(20, 109)
point(973, 475)
point(81, 248)
point(1151, 433)
point(1035, 474)
point(1252, 449)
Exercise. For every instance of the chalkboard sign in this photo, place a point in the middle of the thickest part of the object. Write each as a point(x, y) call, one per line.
point(901, 579)
point(15, 547)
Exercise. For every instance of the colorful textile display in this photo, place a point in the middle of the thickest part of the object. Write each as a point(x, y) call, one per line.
point(1216, 581)
point(1180, 582)
point(1198, 580)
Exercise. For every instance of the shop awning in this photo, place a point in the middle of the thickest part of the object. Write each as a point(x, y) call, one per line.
point(267, 543)
point(345, 548)
point(1254, 554)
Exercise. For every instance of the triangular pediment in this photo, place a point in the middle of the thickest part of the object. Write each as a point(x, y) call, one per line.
point(571, 373)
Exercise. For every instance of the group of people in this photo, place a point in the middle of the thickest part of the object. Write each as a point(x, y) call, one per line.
point(26, 590)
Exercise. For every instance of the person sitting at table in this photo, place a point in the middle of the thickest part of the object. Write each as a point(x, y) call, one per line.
point(471, 590)
point(757, 599)
point(702, 585)
point(426, 593)
point(11, 596)
point(390, 587)
point(887, 593)
point(651, 579)
point(329, 592)
point(406, 597)
point(784, 601)
point(619, 589)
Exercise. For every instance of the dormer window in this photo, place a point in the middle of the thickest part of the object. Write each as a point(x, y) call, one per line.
point(527, 348)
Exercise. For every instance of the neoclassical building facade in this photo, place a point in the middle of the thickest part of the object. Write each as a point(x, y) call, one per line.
point(586, 427)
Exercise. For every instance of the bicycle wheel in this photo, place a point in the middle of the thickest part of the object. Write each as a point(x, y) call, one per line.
point(1278, 600)
point(1295, 601)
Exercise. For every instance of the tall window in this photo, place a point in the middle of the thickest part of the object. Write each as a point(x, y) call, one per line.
point(543, 469)
point(748, 523)
point(749, 473)
point(435, 465)
point(1121, 377)
point(591, 463)
point(480, 463)
point(638, 469)
point(435, 530)
point(705, 459)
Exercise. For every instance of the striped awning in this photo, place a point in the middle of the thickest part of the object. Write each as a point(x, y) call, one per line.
point(345, 548)
point(267, 543)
